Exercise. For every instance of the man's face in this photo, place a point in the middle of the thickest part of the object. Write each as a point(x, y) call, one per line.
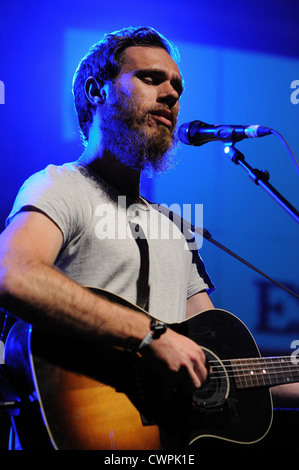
point(141, 109)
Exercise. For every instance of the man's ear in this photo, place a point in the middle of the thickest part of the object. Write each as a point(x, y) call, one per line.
point(94, 93)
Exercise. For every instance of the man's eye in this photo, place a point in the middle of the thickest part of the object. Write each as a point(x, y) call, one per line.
point(148, 79)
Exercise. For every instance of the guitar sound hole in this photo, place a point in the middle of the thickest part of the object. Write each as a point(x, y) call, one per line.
point(214, 393)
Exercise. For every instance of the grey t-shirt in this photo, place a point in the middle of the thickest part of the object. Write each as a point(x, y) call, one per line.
point(113, 244)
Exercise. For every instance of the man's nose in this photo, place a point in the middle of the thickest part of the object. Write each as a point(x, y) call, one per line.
point(167, 94)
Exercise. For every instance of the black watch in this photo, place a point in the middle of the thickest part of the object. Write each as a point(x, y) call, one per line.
point(158, 328)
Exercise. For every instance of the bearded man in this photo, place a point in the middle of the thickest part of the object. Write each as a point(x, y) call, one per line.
point(126, 93)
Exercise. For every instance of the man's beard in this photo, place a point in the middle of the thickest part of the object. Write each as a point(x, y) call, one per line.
point(127, 136)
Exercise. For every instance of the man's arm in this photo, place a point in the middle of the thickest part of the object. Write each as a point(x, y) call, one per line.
point(35, 291)
point(198, 303)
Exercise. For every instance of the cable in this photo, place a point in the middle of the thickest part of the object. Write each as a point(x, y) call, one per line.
point(273, 131)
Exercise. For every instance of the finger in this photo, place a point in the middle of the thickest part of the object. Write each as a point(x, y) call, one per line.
point(195, 376)
point(196, 379)
point(186, 380)
point(202, 367)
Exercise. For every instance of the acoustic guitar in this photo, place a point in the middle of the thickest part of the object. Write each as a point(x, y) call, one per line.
point(76, 395)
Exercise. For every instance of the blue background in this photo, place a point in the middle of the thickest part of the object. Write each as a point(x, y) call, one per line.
point(238, 61)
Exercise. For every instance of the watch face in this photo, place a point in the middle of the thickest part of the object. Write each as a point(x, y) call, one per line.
point(158, 328)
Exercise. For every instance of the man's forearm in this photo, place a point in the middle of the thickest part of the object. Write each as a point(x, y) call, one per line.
point(43, 296)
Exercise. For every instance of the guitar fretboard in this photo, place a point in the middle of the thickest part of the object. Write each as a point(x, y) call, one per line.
point(268, 371)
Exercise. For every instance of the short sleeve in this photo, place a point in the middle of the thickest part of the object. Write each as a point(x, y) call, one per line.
point(199, 278)
point(54, 192)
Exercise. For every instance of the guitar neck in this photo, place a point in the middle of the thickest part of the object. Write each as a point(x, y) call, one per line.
point(268, 371)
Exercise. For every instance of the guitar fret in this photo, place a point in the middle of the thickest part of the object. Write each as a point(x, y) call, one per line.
point(289, 370)
point(244, 374)
point(260, 372)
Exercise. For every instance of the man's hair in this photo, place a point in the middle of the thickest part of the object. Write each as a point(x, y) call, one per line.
point(103, 62)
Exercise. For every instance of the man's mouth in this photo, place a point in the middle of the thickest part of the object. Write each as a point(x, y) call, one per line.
point(163, 115)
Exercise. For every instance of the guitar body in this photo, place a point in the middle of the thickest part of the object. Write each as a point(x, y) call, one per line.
point(82, 396)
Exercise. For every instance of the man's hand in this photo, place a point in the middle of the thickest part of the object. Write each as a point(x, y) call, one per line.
point(181, 358)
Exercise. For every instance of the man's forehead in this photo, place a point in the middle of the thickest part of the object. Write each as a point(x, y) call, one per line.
point(146, 57)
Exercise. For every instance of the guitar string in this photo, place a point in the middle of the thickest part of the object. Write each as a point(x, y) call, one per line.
point(264, 371)
point(254, 362)
point(251, 373)
point(278, 366)
point(258, 380)
point(261, 380)
point(255, 359)
point(255, 374)
point(269, 369)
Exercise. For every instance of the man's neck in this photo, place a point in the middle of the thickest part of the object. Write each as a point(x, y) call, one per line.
point(119, 176)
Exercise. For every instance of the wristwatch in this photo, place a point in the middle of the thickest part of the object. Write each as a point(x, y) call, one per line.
point(157, 329)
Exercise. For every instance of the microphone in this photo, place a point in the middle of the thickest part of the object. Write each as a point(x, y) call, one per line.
point(198, 133)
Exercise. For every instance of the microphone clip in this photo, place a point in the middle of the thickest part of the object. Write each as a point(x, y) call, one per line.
point(236, 157)
point(234, 154)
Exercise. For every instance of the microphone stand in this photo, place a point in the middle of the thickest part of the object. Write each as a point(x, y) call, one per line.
point(261, 178)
